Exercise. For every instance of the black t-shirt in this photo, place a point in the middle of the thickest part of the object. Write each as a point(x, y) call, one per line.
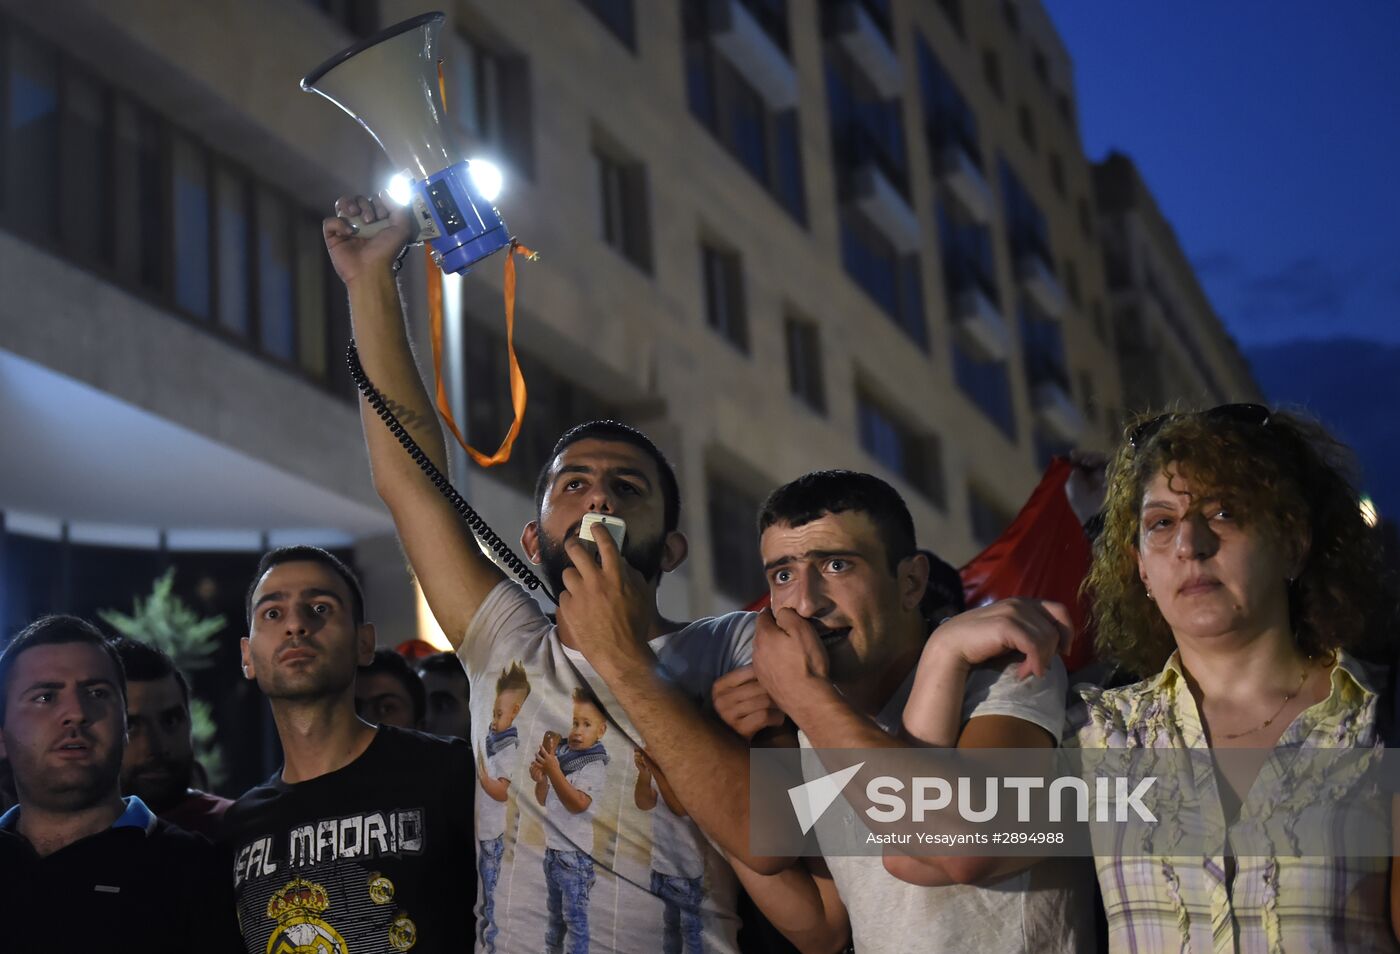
point(377, 856)
point(150, 888)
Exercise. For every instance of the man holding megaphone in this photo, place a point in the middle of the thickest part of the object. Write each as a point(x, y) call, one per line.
point(577, 872)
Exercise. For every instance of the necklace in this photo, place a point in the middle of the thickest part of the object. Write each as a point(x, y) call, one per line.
point(1267, 722)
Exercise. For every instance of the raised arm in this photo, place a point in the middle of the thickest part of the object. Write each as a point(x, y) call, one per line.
point(453, 572)
point(933, 714)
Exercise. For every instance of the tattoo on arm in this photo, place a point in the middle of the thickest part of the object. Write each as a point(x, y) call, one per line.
point(406, 415)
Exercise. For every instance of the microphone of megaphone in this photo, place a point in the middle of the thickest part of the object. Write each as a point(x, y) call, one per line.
point(388, 83)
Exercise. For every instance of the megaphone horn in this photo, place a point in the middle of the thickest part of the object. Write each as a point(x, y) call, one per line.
point(388, 83)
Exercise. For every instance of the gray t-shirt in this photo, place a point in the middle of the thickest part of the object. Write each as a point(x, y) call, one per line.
point(1032, 911)
point(511, 634)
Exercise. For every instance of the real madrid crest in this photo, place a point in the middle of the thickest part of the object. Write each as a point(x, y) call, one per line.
point(300, 930)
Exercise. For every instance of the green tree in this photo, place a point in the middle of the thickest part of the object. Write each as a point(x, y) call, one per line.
point(165, 621)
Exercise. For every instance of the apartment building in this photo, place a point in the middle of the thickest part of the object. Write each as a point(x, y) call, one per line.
point(778, 235)
point(1172, 347)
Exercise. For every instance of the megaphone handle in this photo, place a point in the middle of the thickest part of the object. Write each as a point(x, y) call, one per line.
point(365, 229)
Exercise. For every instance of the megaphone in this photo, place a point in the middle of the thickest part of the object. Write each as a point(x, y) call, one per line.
point(388, 83)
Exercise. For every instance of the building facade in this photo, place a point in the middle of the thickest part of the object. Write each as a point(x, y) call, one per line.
point(778, 235)
point(1172, 347)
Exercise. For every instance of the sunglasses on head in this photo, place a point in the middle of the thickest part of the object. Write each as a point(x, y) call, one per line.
point(1256, 414)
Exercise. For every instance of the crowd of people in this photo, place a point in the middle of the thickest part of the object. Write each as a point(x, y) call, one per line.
point(581, 781)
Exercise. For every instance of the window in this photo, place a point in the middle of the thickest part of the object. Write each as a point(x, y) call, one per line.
point(622, 200)
point(85, 159)
point(31, 137)
point(151, 209)
point(192, 235)
point(968, 260)
point(987, 384)
point(1057, 174)
point(1086, 219)
point(231, 237)
point(360, 17)
point(140, 198)
point(1040, 64)
point(952, 9)
point(1026, 228)
point(1011, 15)
point(804, 354)
point(890, 278)
point(1066, 110)
point(1026, 122)
point(311, 286)
point(276, 301)
point(880, 13)
point(866, 128)
point(1043, 348)
point(915, 457)
point(488, 95)
point(616, 15)
point(1100, 322)
point(763, 139)
point(948, 119)
point(1071, 274)
point(735, 561)
point(723, 278)
point(556, 404)
point(969, 265)
point(1086, 391)
point(988, 520)
point(867, 132)
point(991, 72)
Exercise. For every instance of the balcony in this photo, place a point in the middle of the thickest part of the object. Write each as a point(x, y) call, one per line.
point(960, 173)
point(754, 51)
point(866, 42)
point(1056, 411)
point(883, 204)
point(980, 326)
point(1039, 282)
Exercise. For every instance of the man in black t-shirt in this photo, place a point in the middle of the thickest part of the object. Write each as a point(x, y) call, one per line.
point(363, 841)
point(81, 868)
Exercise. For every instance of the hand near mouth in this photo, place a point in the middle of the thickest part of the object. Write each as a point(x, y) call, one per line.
point(605, 606)
point(788, 656)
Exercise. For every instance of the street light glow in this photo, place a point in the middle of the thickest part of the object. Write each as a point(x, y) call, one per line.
point(1369, 513)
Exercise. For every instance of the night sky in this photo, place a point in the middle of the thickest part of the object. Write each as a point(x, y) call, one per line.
point(1270, 135)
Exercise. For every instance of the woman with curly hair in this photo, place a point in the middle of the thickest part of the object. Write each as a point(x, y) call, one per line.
point(1236, 574)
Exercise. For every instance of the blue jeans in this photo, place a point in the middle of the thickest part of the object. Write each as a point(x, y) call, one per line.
point(569, 877)
point(488, 860)
point(682, 897)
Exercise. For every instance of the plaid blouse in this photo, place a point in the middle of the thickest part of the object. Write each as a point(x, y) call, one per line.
point(1274, 904)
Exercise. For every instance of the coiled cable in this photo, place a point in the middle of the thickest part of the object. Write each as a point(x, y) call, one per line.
point(478, 526)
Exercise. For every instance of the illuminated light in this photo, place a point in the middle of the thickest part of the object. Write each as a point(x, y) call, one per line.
point(1369, 513)
point(487, 178)
point(400, 189)
point(428, 629)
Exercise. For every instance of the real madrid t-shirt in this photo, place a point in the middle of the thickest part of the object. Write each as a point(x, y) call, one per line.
point(375, 857)
point(512, 642)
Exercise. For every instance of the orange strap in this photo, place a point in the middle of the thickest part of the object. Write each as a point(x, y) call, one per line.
point(517, 379)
